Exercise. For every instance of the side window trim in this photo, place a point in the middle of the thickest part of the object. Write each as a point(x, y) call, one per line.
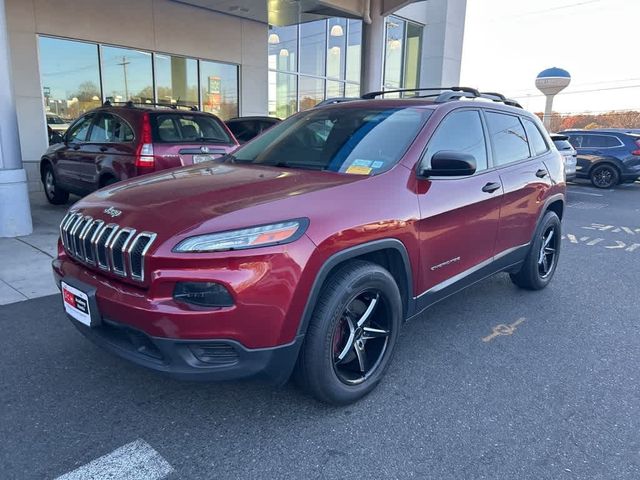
point(515, 162)
point(78, 122)
point(488, 152)
point(119, 119)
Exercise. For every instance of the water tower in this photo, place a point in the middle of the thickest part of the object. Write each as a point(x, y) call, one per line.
point(551, 82)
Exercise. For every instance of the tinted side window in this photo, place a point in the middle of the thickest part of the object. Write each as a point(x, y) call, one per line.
point(110, 129)
point(78, 133)
point(575, 141)
point(460, 132)
point(537, 143)
point(509, 139)
point(189, 128)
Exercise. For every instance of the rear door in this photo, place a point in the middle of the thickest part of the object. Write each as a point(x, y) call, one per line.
point(458, 215)
point(187, 138)
point(519, 160)
point(69, 160)
point(111, 150)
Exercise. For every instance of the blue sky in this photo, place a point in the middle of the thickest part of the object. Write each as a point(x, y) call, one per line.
point(508, 42)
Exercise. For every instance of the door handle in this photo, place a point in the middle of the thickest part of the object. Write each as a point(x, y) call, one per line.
point(103, 149)
point(491, 187)
point(541, 173)
point(76, 147)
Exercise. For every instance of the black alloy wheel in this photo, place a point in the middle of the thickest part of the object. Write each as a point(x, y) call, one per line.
point(604, 176)
point(361, 337)
point(351, 335)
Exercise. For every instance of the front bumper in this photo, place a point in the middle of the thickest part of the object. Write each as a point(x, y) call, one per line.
point(200, 360)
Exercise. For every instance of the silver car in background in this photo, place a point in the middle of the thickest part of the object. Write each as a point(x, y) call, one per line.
point(569, 155)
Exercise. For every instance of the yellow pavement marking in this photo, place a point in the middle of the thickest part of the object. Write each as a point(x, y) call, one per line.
point(503, 329)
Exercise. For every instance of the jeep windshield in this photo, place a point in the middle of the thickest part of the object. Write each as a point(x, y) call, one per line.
point(361, 141)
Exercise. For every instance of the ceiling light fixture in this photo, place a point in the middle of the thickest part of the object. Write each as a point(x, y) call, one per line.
point(337, 31)
point(274, 39)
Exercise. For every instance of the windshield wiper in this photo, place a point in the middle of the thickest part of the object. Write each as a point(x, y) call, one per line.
point(303, 166)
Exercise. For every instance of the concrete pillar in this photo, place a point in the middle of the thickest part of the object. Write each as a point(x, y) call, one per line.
point(373, 48)
point(15, 214)
point(442, 43)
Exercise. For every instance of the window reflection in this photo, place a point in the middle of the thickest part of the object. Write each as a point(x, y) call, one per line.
point(394, 44)
point(219, 89)
point(336, 47)
point(311, 92)
point(335, 89)
point(176, 80)
point(354, 50)
point(313, 41)
point(70, 77)
point(127, 75)
point(412, 56)
point(283, 48)
point(282, 94)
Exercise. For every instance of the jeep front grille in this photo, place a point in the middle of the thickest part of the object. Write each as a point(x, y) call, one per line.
point(109, 247)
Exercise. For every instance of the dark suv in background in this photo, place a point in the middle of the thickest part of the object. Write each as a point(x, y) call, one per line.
point(113, 143)
point(606, 157)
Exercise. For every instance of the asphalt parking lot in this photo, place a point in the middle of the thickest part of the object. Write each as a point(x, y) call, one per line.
point(551, 394)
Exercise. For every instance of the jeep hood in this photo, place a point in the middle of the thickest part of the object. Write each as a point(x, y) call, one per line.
point(183, 199)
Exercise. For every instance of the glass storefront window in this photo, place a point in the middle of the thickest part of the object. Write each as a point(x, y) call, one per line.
point(313, 43)
point(336, 47)
point(412, 56)
point(176, 80)
point(283, 48)
point(219, 89)
point(283, 95)
point(394, 46)
point(335, 89)
point(354, 50)
point(127, 75)
point(352, 90)
point(70, 77)
point(311, 92)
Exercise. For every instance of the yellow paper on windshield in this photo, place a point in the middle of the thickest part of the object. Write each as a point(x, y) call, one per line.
point(358, 170)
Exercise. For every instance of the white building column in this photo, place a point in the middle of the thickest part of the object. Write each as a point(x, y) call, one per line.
point(15, 214)
point(442, 43)
point(373, 34)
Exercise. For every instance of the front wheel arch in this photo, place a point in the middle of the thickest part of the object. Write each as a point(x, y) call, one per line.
point(390, 250)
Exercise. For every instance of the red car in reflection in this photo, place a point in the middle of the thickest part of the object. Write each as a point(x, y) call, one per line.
point(306, 249)
point(115, 143)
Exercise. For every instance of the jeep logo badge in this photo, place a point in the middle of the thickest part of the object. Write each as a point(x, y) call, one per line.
point(113, 212)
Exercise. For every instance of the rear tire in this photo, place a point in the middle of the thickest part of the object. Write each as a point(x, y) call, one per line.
point(542, 259)
point(604, 176)
point(352, 334)
point(55, 195)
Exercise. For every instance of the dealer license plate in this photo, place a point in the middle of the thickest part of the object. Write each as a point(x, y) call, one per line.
point(202, 158)
point(76, 303)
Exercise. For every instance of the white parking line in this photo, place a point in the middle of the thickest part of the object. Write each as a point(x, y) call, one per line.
point(586, 193)
point(133, 461)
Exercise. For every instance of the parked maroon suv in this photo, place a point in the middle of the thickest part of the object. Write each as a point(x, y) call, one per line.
point(307, 248)
point(114, 143)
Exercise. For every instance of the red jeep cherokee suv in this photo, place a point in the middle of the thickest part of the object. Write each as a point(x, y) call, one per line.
point(117, 142)
point(306, 249)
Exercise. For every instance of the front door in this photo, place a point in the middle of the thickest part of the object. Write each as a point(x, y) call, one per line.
point(458, 215)
point(69, 160)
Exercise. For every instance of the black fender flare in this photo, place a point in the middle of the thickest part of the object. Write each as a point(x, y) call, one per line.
point(349, 253)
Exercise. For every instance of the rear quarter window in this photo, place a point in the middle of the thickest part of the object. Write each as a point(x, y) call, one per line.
point(186, 128)
point(508, 137)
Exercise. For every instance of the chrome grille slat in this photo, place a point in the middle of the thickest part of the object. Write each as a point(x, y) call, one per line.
point(118, 248)
point(109, 247)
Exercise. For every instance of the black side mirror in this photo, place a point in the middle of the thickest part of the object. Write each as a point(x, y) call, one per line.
point(56, 138)
point(447, 163)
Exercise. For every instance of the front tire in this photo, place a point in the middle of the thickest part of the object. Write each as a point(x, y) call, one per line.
point(352, 334)
point(542, 259)
point(604, 176)
point(55, 195)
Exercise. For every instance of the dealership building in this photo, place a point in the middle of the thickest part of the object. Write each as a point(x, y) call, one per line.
point(229, 57)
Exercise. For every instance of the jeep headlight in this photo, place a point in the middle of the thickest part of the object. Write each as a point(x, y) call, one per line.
point(260, 236)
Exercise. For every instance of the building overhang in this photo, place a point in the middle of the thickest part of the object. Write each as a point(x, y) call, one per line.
point(291, 12)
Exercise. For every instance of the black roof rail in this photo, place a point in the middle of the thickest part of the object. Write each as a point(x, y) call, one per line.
point(371, 95)
point(131, 103)
point(448, 94)
point(332, 100)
